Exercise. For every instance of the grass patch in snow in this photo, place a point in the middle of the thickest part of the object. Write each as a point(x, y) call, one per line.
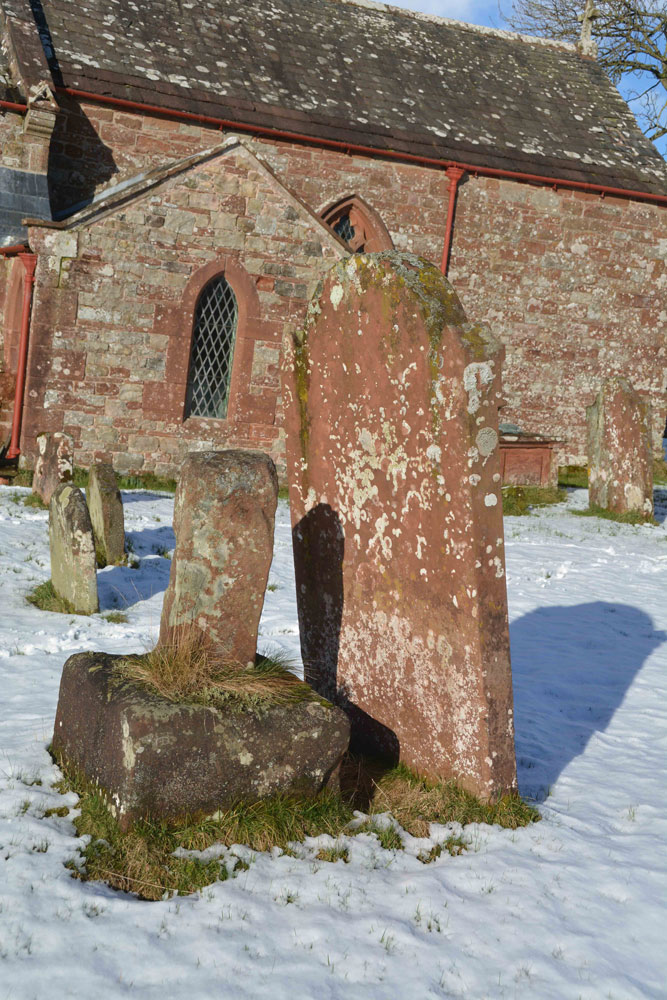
point(518, 500)
point(34, 500)
point(45, 598)
point(660, 471)
point(142, 859)
point(629, 517)
point(573, 475)
point(116, 617)
point(189, 670)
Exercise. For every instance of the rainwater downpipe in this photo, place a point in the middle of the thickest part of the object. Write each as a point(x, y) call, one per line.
point(29, 261)
point(455, 174)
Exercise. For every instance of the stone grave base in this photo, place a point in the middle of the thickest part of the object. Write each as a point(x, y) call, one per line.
point(157, 759)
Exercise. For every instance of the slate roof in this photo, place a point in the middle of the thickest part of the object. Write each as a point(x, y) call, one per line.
point(358, 72)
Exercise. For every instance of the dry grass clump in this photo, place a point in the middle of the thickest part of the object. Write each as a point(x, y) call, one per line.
point(189, 669)
point(416, 802)
point(45, 598)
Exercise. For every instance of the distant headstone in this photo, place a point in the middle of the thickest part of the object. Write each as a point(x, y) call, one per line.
point(224, 516)
point(54, 465)
point(106, 514)
point(391, 409)
point(73, 564)
point(620, 454)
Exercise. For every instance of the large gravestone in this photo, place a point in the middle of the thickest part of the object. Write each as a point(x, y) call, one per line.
point(73, 564)
point(224, 515)
point(106, 514)
point(54, 465)
point(391, 409)
point(620, 456)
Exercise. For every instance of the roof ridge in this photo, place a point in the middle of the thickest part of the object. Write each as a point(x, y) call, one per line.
point(482, 29)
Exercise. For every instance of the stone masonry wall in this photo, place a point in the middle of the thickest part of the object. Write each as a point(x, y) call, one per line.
point(114, 305)
point(572, 283)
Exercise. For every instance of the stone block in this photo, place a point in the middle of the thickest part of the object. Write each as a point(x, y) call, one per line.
point(54, 464)
point(391, 412)
point(72, 546)
point(224, 515)
point(620, 456)
point(106, 514)
point(154, 758)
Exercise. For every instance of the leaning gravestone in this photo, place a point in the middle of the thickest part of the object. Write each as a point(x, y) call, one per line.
point(620, 456)
point(73, 564)
point(54, 465)
point(391, 409)
point(224, 515)
point(106, 514)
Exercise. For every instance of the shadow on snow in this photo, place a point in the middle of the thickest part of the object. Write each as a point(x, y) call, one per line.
point(120, 587)
point(571, 668)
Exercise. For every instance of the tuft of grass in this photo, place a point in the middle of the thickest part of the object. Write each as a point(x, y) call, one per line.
point(283, 492)
point(190, 670)
point(629, 517)
point(518, 500)
point(34, 500)
point(116, 617)
point(142, 860)
point(415, 802)
point(45, 598)
point(573, 475)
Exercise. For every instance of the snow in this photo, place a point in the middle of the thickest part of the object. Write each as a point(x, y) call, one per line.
point(570, 907)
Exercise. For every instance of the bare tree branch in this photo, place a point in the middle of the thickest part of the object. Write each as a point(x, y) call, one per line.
point(631, 37)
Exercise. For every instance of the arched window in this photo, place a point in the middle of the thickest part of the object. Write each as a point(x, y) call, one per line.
point(213, 337)
point(358, 225)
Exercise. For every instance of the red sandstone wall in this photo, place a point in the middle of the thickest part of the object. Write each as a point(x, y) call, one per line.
point(573, 284)
point(114, 306)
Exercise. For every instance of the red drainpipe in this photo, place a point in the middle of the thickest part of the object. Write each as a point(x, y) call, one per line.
point(11, 106)
point(455, 174)
point(13, 250)
point(29, 261)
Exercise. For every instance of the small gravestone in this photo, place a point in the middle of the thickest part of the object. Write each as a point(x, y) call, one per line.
point(224, 515)
point(54, 465)
point(620, 456)
point(391, 410)
point(106, 514)
point(73, 564)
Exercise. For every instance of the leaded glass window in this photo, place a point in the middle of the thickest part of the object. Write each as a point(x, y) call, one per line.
point(216, 319)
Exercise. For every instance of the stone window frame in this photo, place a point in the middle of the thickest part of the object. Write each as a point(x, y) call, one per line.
point(168, 399)
point(375, 234)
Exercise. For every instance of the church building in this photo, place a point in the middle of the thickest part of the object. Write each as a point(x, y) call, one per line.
point(176, 178)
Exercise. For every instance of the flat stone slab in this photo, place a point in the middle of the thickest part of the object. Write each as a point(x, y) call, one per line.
point(154, 758)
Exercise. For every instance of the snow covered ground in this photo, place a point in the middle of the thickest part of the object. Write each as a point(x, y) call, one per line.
point(571, 907)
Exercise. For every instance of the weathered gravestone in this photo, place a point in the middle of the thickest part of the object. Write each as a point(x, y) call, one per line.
point(391, 408)
point(224, 515)
point(620, 456)
point(54, 465)
point(153, 756)
point(73, 564)
point(106, 514)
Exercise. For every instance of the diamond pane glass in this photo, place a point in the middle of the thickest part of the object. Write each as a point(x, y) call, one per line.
point(212, 351)
point(344, 228)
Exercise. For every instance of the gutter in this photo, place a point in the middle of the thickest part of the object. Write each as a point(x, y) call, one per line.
point(29, 261)
point(349, 147)
point(13, 250)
